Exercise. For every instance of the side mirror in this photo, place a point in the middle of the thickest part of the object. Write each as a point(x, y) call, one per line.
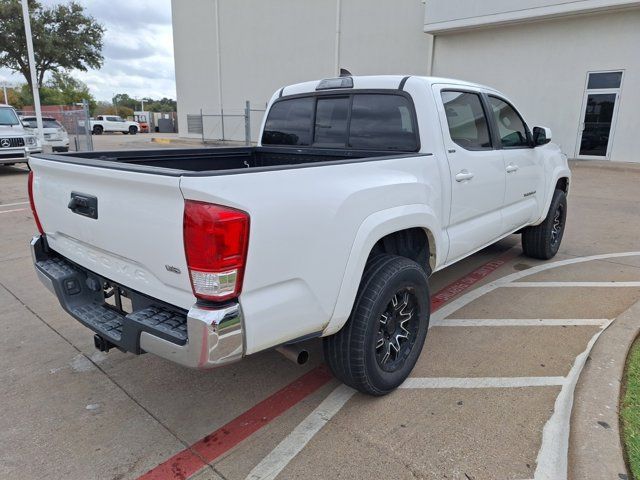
point(541, 136)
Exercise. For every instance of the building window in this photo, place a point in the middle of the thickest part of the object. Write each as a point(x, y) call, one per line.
point(604, 80)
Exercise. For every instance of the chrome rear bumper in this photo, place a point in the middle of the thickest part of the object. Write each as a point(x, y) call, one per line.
point(213, 336)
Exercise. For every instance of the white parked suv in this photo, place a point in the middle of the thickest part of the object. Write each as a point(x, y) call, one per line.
point(360, 189)
point(16, 143)
point(113, 123)
point(55, 135)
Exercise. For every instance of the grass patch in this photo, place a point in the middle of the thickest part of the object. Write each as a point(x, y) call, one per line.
point(630, 410)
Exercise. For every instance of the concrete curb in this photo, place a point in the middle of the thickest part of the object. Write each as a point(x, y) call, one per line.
point(629, 167)
point(595, 449)
point(163, 140)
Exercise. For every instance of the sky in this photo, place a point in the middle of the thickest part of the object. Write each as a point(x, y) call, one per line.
point(138, 49)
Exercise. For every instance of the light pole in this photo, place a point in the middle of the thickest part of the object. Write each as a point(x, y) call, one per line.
point(5, 99)
point(32, 68)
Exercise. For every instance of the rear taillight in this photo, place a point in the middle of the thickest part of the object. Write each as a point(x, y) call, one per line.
point(215, 243)
point(33, 204)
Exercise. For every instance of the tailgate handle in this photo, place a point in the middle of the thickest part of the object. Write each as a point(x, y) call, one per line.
point(85, 205)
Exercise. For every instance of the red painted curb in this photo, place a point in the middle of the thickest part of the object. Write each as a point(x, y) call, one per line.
point(454, 289)
point(191, 460)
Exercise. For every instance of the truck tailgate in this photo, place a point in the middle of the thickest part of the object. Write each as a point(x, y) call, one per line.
point(136, 239)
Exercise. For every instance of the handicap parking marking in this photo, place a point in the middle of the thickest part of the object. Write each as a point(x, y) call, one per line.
point(552, 459)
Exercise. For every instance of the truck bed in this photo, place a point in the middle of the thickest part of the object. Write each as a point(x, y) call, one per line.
point(216, 161)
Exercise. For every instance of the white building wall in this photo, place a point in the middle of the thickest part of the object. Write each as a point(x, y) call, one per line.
point(194, 54)
point(449, 15)
point(542, 67)
point(267, 44)
point(384, 37)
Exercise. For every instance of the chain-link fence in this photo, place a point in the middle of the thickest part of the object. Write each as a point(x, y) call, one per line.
point(72, 119)
point(227, 125)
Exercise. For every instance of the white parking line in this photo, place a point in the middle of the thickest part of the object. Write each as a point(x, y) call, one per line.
point(469, 297)
point(14, 210)
point(570, 284)
point(288, 448)
point(553, 454)
point(2, 205)
point(482, 382)
point(522, 322)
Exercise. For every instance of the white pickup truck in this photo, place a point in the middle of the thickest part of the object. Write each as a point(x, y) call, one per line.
point(360, 189)
point(113, 123)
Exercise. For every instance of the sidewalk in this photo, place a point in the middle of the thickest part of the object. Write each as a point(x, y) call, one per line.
point(595, 448)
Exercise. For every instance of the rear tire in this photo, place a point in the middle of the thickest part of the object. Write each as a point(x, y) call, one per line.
point(380, 344)
point(543, 241)
point(98, 130)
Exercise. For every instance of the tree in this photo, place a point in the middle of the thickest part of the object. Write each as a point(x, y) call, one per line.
point(150, 105)
point(105, 108)
point(70, 90)
point(63, 38)
point(61, 89)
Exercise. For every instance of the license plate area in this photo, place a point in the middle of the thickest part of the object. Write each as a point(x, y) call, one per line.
point(117, 298)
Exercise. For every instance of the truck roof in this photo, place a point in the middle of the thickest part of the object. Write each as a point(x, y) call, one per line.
point(391, 82)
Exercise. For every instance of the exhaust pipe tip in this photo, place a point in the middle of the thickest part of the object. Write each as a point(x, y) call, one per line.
point(294, 353)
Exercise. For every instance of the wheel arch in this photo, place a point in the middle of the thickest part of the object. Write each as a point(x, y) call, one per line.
point(388, 231)
point(561, 178)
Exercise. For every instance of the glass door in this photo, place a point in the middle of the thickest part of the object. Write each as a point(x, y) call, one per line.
point(600, 107)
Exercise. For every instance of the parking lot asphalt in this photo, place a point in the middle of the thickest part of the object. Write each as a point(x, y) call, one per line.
point(489, 398)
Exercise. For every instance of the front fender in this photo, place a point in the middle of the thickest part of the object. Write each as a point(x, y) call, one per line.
point(561, 171)
point(372, 229)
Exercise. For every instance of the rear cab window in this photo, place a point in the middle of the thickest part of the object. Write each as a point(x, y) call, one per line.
point(380, 121)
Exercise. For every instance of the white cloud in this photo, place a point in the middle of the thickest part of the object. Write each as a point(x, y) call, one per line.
point(138, 49)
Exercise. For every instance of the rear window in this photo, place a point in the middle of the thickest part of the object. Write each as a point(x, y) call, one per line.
point(364, 121)
point(289, 123)
point(46, 123)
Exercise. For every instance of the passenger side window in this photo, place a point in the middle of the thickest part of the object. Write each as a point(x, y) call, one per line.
point(511, 127)
point(467, 120)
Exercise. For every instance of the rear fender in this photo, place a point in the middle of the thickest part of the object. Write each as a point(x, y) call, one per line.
point(375, 227)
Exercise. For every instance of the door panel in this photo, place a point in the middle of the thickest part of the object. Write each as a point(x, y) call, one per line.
point(523, 166)
point(476, 169)
point(598, 119)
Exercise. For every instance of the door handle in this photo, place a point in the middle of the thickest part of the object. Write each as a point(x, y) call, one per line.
point(512, 168)
point(464, 175)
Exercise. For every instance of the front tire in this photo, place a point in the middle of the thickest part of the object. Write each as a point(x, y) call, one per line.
point(543, 241)
point(133, 130)
point(380, 344)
